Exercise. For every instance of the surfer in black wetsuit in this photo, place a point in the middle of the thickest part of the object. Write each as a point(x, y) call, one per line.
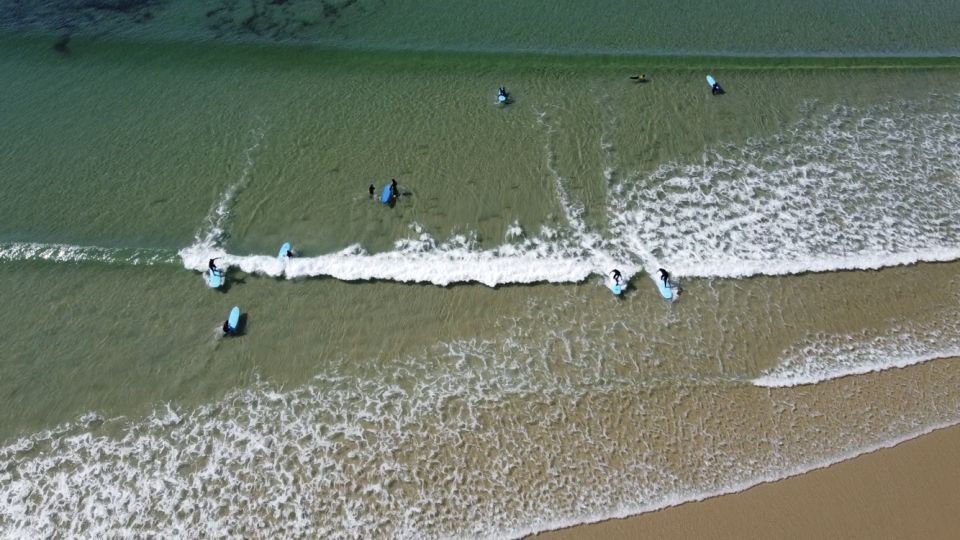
point(665, 276)
point(616, 276)
point(226, 328)
point(715, 89)
point(213, 266)
point(394, 190)
point(371, 190)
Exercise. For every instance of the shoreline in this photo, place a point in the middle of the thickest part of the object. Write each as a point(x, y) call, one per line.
point(908, 489)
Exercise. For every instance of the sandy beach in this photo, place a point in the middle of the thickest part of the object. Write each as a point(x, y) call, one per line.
point(909, 491)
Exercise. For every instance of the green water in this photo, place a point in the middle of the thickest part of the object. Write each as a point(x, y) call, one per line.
point(387, 409)
point(753, 27)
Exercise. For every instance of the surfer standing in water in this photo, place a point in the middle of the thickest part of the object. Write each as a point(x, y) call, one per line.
point(394, 190)
point(213, 266)
point(616, 276)
point(665, 276)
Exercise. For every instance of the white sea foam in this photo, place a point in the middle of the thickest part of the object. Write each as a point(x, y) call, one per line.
point(553, 256)
point(693, 495)
point(852, 189)
point(36, 251)
point(430, 446)
point(824, 357)
point(474, 437)
point(211, 234)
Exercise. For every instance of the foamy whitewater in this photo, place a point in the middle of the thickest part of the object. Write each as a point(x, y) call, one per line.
point(497, 438)
point(471, 438)
point(852, 189)
point(824, 357)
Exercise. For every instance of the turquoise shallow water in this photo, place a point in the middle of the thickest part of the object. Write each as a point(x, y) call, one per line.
point(454, 365)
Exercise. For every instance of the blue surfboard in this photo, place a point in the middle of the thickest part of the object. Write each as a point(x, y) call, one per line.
point(282, 254)
point(666, 291)
point(216, 278)
point(387, 190)
point(710, 81)
point(616, 288)
point(234, 319)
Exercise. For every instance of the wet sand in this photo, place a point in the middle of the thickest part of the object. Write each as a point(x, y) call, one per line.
point(909, 491)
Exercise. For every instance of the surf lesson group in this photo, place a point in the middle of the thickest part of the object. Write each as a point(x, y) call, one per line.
point(669, 289)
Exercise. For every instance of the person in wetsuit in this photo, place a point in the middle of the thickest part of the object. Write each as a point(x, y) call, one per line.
point(616, 276)
point(665, 276)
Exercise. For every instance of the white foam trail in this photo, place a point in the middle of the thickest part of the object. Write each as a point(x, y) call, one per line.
point(676, 499)
point(827, 357)
point(554, 257)
point(426, 446)
point(211, 234)
point(852, 189)
point(421, 261)
point(36, 251)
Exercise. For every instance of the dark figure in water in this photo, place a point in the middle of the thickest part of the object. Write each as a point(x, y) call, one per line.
point(372, 189)
point(665, 276)
point(227, 330)
point(212, 265)
point(394, 190)
point(716, 90)
point(62, 44)
point(290, 253)
point(616, 276)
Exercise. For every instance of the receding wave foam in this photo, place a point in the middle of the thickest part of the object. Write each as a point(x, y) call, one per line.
point(851, 189)
point(423, 260)
point(552, 256)
point(34, 251)
point(212, 233)
point(474, 438)
point(825, 357)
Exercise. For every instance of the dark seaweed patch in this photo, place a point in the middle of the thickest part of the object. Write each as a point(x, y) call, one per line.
point(76, 16)
point(282, 19)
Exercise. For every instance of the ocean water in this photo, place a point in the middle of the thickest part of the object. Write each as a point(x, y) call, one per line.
point(454, 366)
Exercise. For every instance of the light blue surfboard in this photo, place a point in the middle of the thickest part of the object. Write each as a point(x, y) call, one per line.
point(616, 288)
point(216, 279)
point(282, 254)
point(234, 319)
point(665, 291)
point(387, 190)
point(710, 81)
